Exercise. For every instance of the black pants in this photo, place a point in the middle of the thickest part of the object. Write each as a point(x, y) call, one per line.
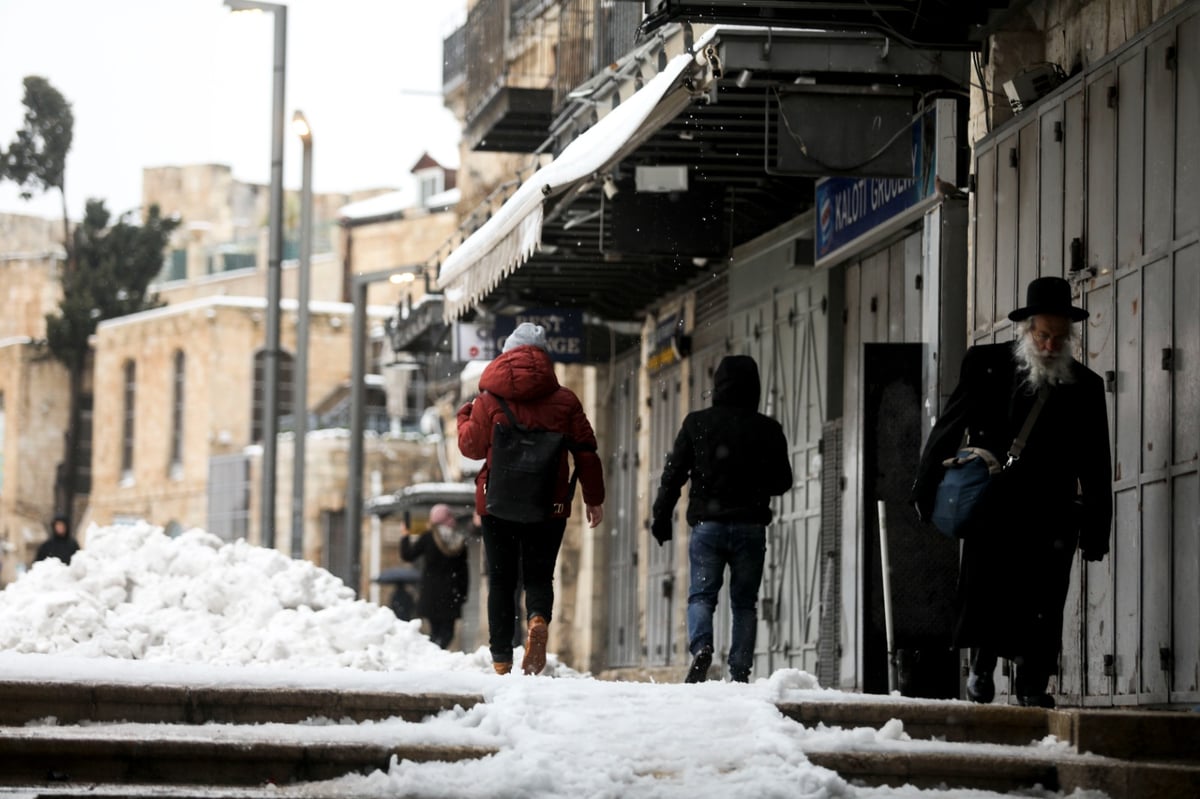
point(1033, 669)
point(441, 631)
point(518, 551)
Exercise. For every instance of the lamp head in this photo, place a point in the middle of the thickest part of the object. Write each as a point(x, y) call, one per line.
point(252, 5)
point(300, 126)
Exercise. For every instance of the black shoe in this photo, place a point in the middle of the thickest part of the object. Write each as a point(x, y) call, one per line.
point(981, 688)
point(740, 676)
point(1037, 700)
point(700, 663)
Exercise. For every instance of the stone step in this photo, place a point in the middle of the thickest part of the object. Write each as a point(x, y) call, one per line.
point(956, 722)
point(1118, 779)
point(1132, 754)
point(69, 703)
point(1130, 734)
point(63, 761)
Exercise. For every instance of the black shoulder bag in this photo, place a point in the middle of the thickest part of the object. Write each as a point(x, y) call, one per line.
point(969, 473)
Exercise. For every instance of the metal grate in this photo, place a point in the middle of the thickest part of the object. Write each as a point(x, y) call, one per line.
point(828, 647)
point(454, 58)
point(574, 64)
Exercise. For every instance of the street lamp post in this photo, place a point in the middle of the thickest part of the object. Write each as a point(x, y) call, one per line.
point(270, 406)
point(358, 370)
point(300, 392)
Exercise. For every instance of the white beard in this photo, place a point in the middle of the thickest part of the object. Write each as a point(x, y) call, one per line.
point(1040, 369)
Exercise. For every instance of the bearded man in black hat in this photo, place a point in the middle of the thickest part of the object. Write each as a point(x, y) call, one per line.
point(1056, 495)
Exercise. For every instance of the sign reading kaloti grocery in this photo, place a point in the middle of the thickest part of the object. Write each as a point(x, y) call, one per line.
point(849, 208)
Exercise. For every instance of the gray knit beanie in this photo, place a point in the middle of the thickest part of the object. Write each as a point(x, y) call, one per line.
point(526, 333)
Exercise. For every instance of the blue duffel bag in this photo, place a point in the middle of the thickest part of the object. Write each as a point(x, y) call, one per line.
point(967, 476)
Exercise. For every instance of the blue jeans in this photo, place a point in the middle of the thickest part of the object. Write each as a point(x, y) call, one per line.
point(741, 547)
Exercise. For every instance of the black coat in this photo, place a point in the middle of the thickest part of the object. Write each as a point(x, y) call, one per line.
point(61, 547)
point(1018, 548)
point(735, 457)
point(444, 577)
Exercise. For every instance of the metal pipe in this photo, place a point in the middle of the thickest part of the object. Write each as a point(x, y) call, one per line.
point(885, 566)
point(300, 406)
point(354, 478)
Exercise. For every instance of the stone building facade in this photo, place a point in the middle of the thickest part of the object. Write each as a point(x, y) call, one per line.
point(184, 377)
point(33, 386)
point(34, 406)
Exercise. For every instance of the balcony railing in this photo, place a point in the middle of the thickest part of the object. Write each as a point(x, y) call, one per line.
point(454, 59)
point(616, 30)
point(524, 57)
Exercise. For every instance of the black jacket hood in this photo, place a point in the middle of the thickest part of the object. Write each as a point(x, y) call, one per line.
point(736, 382)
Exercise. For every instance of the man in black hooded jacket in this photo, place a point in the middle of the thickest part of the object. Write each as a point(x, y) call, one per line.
point(736, 459)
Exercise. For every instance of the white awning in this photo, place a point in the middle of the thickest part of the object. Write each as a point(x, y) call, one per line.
point(513, 234)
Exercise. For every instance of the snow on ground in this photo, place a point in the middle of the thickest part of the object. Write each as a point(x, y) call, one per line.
point(138, 607)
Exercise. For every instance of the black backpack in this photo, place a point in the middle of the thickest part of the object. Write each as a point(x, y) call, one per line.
point(523, 472)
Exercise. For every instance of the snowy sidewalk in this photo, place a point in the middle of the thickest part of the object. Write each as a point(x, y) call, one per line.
point(202, 667)
point(304, 740)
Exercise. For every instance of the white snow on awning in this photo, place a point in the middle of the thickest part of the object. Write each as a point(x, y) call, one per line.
point(513, 234)
point(386, 204)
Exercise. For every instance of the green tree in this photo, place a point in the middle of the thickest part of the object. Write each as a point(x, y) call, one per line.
point(114, 266)
point(37, 157)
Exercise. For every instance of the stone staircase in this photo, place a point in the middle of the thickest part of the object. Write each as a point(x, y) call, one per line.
point(1128, 754)
point(64, 761)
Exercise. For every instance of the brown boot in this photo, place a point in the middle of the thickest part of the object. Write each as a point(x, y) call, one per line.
point(535, 646)
point(502, 668)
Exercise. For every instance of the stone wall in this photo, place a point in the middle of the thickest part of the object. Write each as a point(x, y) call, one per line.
point(34, 404)
point(218, 211)
point(389, 462)
point(31, 255)
point(1070, 33)
point(410, 241)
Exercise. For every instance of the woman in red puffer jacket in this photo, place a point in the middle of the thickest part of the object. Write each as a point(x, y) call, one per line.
point(523, 375)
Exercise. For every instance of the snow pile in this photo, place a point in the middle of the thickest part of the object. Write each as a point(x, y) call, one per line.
point(135, 593)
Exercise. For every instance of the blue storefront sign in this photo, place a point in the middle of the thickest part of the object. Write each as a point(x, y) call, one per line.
point(848, 208)
point(564, 334)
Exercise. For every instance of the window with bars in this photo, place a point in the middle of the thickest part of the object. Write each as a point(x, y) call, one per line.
point(178, 384)
point(83, 458)
point(127, 428)
point(285, 393)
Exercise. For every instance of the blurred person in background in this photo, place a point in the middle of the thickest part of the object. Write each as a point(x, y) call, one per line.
point(442, 549)
point(61, 544)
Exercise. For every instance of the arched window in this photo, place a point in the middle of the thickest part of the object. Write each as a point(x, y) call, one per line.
point(130, 372)
point(286, 395)
point(177, 394)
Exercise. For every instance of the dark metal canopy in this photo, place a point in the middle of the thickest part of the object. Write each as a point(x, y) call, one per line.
point(614, 251)
point(937, 24)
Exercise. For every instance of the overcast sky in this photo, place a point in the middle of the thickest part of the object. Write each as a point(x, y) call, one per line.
point(174, 82)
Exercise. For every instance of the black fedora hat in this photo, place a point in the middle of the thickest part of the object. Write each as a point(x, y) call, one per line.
point(1049, 295)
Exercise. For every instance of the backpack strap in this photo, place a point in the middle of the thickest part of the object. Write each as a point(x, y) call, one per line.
point(1014, 452)
point(508, 412)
